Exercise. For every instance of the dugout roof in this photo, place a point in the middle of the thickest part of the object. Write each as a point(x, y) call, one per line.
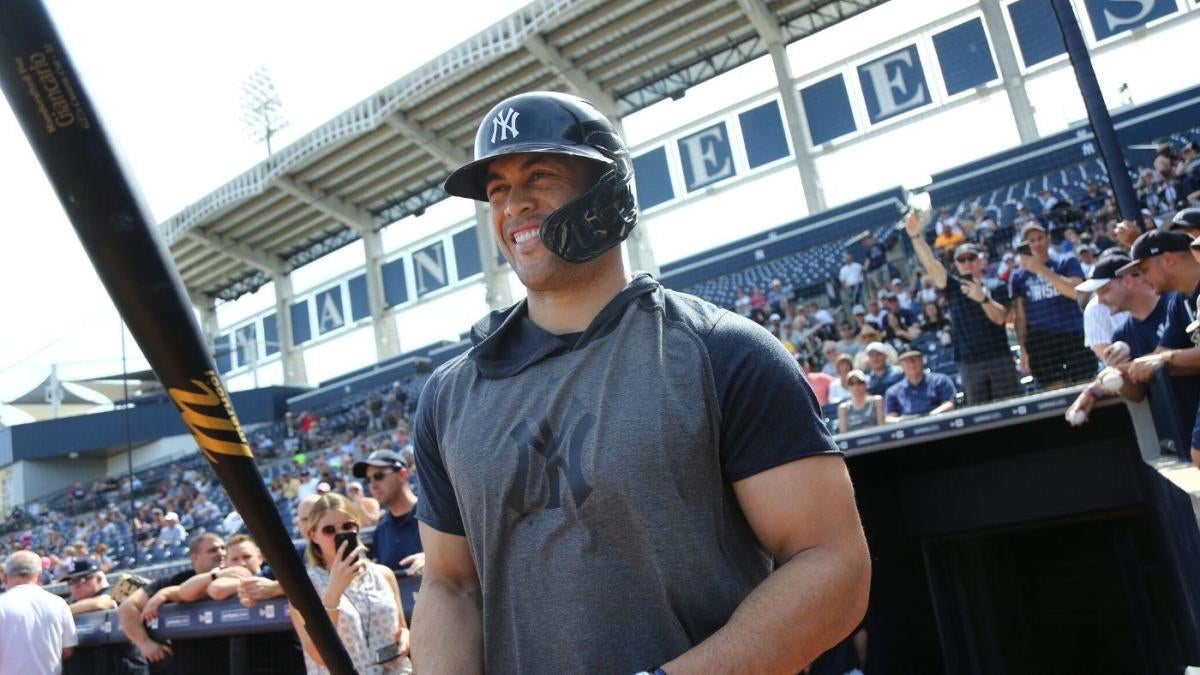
point(386, 157)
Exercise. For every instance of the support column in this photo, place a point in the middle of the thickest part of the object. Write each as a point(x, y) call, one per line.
point(1010, 70)
point(767, 24)
point(294, 372)
point(387, 340)
point(207, 305)
point(495, 277)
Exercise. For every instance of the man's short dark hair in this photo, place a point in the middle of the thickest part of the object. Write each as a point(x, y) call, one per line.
point(194, 544)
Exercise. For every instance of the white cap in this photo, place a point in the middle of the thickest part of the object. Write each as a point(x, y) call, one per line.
point(877, 347)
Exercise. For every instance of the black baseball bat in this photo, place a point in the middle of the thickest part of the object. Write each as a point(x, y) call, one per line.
point(58, 118)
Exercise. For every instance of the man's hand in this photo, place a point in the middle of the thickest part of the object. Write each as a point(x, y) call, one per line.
point(913, 224)
point(973, 290)
point(413, 564)
point(1126, 232)
point(1143, 368)
point(402, 640)
point(254, 589)
point(1033, 264)
point(1116, 354)
point(150, 612)
point(154, 652)
point(235, 571)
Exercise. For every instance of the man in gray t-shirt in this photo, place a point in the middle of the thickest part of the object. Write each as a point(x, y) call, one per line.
point(612, 470)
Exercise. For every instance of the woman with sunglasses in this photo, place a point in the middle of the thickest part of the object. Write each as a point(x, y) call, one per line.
point(862, 410)
point(361, 597)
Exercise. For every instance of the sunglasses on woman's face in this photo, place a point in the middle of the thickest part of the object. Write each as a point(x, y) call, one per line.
point(969, 258)
point(348, 526)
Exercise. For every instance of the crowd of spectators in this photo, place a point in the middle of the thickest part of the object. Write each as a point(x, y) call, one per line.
point(967, 306)
point(149, 517)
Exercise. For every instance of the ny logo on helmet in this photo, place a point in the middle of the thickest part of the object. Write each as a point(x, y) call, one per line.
point(506, 123)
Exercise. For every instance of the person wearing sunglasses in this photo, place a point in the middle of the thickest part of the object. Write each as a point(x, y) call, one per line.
point(396, 543)
point(90, 592)
point(979, 306)
point(361, 597)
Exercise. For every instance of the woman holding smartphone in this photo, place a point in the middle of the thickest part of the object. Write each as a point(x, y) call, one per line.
point(361, 597)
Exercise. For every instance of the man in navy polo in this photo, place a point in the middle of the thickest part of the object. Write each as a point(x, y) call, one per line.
point(919, 393)
point(1048, 322)
point(397, 540)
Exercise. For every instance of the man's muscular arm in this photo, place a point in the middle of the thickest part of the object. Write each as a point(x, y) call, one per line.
point(819, 593)
point(447, 633)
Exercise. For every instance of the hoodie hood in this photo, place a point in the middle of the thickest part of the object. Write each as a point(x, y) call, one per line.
point(506, 341)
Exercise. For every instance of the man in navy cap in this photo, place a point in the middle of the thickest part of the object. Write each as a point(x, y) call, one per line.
point(397, 540)
point(1186, 221)
point(1143, 331)
point(1165, 261)
point(90, 592)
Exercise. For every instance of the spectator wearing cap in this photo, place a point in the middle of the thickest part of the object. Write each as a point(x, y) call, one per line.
point(840, 389)
point(780, 297)
point(1144, 331)
point(881, 373)
point(1101, 320)
point(920, 392)
point(1186, 221)
point(875, 263)
point(90, 592)
point(1087, 258)
point(397, 541)
point(862, 409)
point(1048, 322)
point(172, 533)
point(368, 505)
point(1164, 259)
point(979, 307)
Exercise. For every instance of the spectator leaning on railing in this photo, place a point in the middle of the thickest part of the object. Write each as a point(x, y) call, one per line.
point(207, 553)
point(1165, 260)
point(90, 592)
point(920, 393)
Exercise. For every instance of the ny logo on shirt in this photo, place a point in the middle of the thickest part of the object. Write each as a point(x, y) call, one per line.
point(562, 454)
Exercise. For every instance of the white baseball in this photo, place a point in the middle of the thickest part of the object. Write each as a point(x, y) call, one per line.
point(1111, 380)
point(1076, 417)
point(1118, 351)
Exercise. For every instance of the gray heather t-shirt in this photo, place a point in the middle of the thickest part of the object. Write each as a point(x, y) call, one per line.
point(591, 476)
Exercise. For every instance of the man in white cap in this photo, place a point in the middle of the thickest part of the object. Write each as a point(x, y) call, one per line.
point(172, 533)
point(881, 375)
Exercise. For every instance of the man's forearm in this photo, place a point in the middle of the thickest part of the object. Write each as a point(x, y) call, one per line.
point(130, 616)
point(943, 408)
point(1184, 361)
point(937, 273)
point(447, 633)
point(1065, 285)
point(96, 604)
point(801, 610)
point(996, 312)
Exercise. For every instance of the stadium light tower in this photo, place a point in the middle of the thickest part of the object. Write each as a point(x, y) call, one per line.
point(262, 109)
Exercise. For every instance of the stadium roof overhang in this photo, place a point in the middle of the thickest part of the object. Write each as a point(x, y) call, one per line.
point(386, 157)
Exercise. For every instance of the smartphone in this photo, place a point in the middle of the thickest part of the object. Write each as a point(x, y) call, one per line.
point(385, 654)
point(1024, 248)
point(351, 537)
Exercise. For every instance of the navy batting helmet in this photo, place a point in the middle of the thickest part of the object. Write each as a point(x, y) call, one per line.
point(560, 124)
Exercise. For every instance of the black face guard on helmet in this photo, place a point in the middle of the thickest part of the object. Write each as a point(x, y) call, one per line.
point(560, 124)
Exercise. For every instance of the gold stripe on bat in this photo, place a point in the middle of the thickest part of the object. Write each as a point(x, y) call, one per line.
point(210, 394)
